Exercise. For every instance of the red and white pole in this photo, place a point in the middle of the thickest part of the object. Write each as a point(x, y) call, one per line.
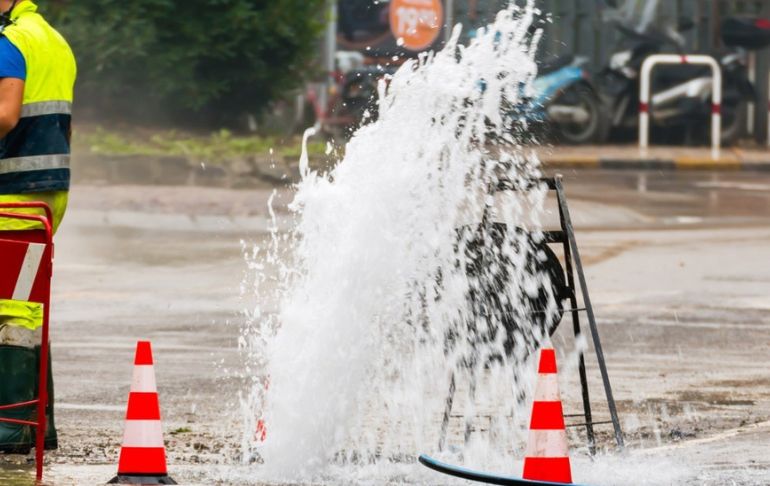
point(716, 96)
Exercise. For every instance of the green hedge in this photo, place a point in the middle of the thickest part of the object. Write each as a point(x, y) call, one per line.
point(207, 62)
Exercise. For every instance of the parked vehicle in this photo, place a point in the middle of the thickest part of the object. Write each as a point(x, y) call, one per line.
point(352, 98)
point(566, 101)
point(359, 97)
point(681, 93)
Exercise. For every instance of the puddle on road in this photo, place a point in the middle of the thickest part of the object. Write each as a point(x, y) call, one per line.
point(12, 475)
point(54, 475)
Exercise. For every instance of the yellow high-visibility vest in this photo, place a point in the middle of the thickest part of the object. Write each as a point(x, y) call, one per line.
point(35, 155)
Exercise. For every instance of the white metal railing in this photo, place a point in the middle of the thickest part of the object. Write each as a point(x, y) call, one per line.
point(716, 95)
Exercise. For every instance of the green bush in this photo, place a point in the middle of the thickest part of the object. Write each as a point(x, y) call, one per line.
point(204, 61)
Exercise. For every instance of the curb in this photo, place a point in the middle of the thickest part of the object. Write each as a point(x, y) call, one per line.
point(674, 164)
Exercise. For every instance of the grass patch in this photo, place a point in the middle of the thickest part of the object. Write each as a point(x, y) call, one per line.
point(219, 146)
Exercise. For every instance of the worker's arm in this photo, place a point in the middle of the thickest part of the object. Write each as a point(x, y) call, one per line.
point(13, 73)
point(11, 97)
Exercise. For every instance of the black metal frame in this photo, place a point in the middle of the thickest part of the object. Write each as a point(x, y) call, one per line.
point(573, 267)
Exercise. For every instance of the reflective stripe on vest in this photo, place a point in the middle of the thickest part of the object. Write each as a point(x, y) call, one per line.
point(35, 155)
point(34, 163)
point(46, 108)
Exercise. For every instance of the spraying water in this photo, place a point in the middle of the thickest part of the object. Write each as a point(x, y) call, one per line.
point(395, 277)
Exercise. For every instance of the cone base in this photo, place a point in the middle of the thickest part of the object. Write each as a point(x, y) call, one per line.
point(130, 479)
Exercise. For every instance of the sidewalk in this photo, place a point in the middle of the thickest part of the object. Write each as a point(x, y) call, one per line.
point(261, 170)
point(655, 158)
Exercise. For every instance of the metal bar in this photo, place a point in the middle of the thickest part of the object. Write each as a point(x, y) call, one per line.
point(554, 236)
point(577, 309)
point(28, 217)
point(42, 403)
point(752, 71)
point(450, 19)
point(472, 403)
point(329, 55)
point(508, 185)
point(716, 24)
point(43, 397)
point(447, 413)
point(570, 271)
point(29, 205)
point(591, 424)
point(589, 309)
point(18, 422)
point(18, 405)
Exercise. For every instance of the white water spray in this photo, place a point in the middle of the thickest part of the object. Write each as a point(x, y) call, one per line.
point(383, 282)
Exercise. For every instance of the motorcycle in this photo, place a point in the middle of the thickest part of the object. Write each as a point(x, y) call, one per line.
point(351, 99)
point(681, 93)
point(359, 95)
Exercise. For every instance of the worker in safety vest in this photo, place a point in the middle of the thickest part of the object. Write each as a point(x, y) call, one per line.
point(37, 77)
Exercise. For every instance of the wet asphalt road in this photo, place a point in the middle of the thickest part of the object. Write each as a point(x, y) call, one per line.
point(678, 265)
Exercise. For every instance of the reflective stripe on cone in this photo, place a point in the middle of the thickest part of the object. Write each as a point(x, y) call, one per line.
point(143, 380)
point(547, 443)
point(143, 433)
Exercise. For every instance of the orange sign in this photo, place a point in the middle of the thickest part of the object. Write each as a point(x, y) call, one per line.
point(416, 24)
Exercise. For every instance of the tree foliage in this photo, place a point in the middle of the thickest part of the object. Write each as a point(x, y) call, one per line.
point(216, 59)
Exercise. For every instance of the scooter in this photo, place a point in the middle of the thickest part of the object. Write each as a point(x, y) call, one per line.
point(562, 104)
point(566, 101)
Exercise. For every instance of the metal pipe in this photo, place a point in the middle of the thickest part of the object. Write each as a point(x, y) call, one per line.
point(17, 405)
point(450, 19)
point(28, 205)
point(750, 113)
point(19, 422)
point(330, 50)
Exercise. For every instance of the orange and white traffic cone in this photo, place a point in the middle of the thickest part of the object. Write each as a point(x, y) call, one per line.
point(261, 433)
point(547, 456)
point(143, 454)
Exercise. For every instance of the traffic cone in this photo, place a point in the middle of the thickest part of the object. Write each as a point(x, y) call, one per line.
point(143, 454)
point(547, 456)
point(261, 432)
